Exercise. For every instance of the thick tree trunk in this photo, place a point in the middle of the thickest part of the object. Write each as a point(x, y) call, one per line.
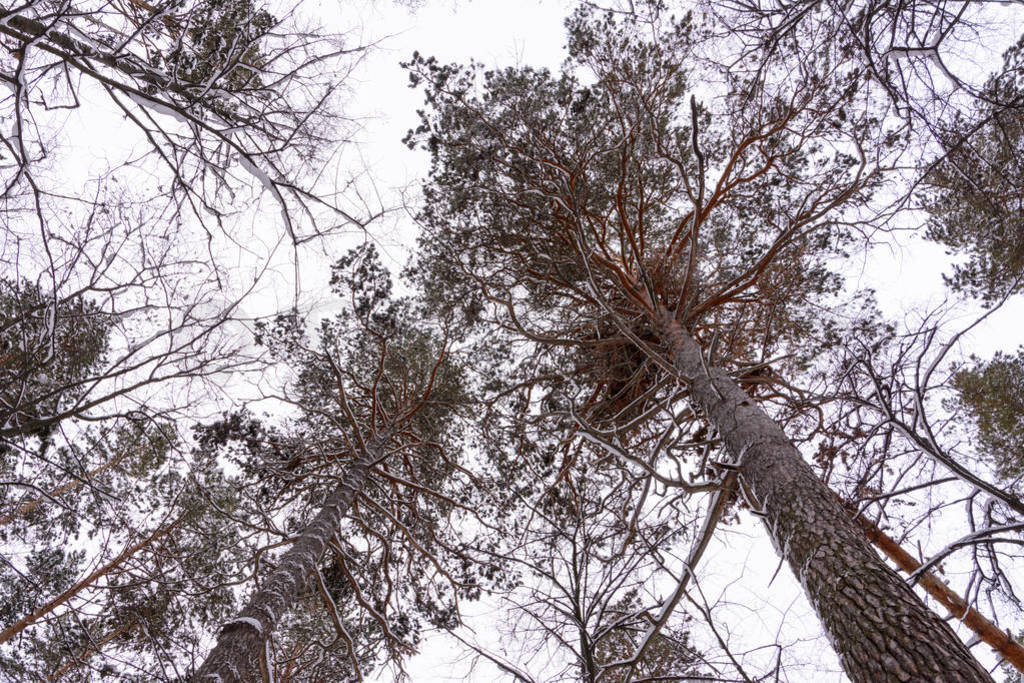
point(1009, 649)
point(241, 644)
point(879, 628)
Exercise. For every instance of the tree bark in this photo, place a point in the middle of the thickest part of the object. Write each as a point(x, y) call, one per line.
point(242, 641)
point(1000, 641)
point(878, 626)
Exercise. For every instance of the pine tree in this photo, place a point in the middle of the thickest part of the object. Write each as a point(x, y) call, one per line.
point(121, 551)
point(993, 393)
point(373, 458)
point(582, 214)
point(50, 351)
point(974, 194)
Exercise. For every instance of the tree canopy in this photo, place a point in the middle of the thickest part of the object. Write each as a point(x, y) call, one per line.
point(639, 341)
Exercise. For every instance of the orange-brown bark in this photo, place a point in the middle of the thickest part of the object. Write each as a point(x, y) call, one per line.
point(29, 619)
point(1000, 641)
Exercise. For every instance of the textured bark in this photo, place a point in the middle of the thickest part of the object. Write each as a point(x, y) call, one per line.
point(880, 629)
point(1000, 641)
point(241, 643)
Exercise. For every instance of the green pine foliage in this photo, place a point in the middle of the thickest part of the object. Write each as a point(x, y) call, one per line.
point(974, 195)
point(220, 46)
point(50, 350)
point(992, 392)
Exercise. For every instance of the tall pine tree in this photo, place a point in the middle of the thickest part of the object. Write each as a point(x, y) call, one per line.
point(603, 212)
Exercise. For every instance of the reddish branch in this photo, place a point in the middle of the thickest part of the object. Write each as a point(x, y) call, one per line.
point(28, 506)
point(29, 619)
point(999, 640)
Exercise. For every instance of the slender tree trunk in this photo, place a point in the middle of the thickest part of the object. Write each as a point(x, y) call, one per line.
point(1000, 641)
point(31, 505)
point(92, 649)
point(27, 29)
point(242, 642)
point(880, 629)
point(29, 619)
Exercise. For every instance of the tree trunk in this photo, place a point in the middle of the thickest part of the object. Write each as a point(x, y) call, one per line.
point(29, 619)
point(72, 485)
point(242, 641)
point(878, 626)
point(1009, 649)
point(64, 45)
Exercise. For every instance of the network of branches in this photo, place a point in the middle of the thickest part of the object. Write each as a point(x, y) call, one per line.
point(634, 348)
